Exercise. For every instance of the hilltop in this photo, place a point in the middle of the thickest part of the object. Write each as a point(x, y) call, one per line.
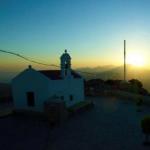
point(116, 73)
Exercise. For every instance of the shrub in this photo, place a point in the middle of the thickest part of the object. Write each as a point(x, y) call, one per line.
point(145, 124)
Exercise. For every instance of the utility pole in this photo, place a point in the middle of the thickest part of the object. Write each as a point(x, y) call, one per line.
point(124, 60)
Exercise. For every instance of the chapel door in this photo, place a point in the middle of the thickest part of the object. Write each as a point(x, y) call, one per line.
point(30, 99)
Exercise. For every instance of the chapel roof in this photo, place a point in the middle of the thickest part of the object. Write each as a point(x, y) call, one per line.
point(56, 74)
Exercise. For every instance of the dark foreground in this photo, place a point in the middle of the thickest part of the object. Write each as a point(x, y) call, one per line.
point(111, 124)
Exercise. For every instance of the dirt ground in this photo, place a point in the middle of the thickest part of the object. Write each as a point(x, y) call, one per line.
point(111, 124)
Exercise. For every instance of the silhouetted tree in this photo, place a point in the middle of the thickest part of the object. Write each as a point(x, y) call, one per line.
point(145, 124)
point(135, 86)
point(143, 92)
point(136, 83)
point(94, 86)
point(109, 82)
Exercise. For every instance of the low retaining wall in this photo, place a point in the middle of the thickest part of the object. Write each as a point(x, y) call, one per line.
point(128, 96)
point(81, 107)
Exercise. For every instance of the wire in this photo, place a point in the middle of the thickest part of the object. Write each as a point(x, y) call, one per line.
point(40, 63)
point(28, 59)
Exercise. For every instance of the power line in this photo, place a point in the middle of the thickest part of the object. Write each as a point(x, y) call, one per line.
point(40, 63)
point(27, 59)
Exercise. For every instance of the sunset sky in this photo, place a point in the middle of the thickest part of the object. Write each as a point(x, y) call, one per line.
point(91, 30)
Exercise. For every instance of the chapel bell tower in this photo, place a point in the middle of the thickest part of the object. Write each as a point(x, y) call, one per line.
point(65, 61)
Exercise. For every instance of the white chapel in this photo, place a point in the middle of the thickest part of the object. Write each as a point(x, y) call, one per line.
point(31, 88)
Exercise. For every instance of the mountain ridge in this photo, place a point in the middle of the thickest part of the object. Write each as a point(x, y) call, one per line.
point(104, 72)
point(133, 72)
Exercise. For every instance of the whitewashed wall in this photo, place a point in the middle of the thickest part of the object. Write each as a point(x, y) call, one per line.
point(67, 87)
point(30, 80)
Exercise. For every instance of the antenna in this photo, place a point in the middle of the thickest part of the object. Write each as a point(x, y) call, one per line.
point(124, 60)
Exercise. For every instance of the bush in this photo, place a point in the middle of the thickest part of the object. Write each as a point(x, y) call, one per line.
point(145, 124)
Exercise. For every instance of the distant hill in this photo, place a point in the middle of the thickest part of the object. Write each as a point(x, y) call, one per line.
point(97, 69)
point(6, 76)
point(139, 73)
point(5, 89)
point(103, 72)
point(4, 85)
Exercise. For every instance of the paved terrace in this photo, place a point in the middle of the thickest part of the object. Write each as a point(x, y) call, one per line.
point(111, 124)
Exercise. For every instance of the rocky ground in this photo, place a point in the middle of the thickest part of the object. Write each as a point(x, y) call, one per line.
point(111, 124)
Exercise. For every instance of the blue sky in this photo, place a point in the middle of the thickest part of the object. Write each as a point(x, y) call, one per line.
point(92, 30)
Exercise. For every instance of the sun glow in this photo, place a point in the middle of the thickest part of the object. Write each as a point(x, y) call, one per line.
point(136, 59)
